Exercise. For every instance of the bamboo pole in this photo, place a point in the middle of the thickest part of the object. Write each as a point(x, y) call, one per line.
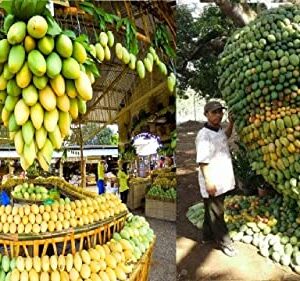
point(82, 164)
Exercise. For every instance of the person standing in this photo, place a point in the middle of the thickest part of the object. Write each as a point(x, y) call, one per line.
point(123, 183)
point(101, 172)
point(216, 176)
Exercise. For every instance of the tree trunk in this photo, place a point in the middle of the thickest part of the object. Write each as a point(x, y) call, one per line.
point(240, 13)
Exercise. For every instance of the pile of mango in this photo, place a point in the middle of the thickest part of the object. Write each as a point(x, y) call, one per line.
point(259, 79)
point(43, 87)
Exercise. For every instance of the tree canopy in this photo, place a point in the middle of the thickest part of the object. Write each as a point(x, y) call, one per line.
point(200, 40)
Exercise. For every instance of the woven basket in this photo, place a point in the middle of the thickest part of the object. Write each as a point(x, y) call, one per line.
point(160, 209)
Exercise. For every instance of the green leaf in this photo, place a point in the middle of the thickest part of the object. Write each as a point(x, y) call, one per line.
point(82, 38)
point(6, 6)
point(53, 27)
point(71, 34)
point(91, 66)
point(88, 8)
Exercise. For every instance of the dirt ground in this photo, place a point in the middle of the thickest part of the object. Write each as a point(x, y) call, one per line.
point(205, 262)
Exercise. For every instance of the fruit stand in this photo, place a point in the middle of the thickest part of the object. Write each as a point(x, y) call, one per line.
point(81, 66)
point(161, 197)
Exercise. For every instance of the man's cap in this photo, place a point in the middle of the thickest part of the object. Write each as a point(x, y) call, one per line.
point(213, 105)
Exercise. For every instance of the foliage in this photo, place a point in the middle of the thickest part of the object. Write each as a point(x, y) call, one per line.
point(242, 169)
point(195, 71)
point(162, 40)
point(104, 137)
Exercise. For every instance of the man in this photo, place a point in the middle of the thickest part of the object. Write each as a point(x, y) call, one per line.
point(100, 172)
point(215, 175)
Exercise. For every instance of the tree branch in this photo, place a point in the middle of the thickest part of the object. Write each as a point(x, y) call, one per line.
point(240, 13)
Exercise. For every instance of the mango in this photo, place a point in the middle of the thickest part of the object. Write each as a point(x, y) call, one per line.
point(37, 63)
point(30, 95)
point(45, 166)
point(47, 98)
point(58, 85)
point(37, 115)
point(29, 153)
point(16, 33)
point(119, 51)
point(12, 124)
point(103, 38)
point(163, 69)
point(3, 82)
point(132, 62)
point(51, 120)
point(46, 45)
point(12, 88)
point(70, 68)
point(4, 50)
point(24, 76)
point(6, 73)
point(21, 112)
point(111, 38)
point(16, 58)
point(81, 105)
point(3, 96)
point(107, 54)
point(64, 123)
point(56, 138)
point(92, 50)
point(40, 82)
point(37, 27)
point(40, 137)
point(63, 103)
point(140, 69)
point(99, 52)
point(125, 56)
point(19, 142)
point(79, 52)
point(148, 64)
point(29, 44)
point(28, 132)
point(70, 88)
point(84, 87)
point(5, 114)
point(10, 103)
point(73, 108)
point(64, 46)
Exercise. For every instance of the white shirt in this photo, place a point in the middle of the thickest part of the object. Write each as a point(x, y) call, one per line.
point(212, 148)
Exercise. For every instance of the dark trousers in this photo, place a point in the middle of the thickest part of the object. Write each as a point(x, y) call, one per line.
point(124, 196)
point(100, 184)
point(214, 226)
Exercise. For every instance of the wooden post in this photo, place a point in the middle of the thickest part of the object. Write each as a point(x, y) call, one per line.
point(61, 169)
point(82, 161)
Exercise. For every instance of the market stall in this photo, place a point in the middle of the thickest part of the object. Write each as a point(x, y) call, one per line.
point(55, 63)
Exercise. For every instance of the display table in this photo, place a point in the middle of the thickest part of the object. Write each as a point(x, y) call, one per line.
point(137, 192)
point(158, 209)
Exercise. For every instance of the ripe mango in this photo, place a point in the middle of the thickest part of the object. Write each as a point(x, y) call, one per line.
point(10, 103)
point(132, 62)
point(73, 108)
point(103, 38)
point(37, 27)
point(16, 58)
point(21, 112)
point(12, 124)
point(99, 52)
point(29, 44)
point(58, 85)
point(24, 76)
point(6, 73)
point(16, 33)
point(84, 87)
point(79, 52)
point(3, 82)
point(12, 88)
point(56, 138)
point(40, 137)
point(107, 53)
point(63, 103)
point(81, 105)
point(71, 89)
point(148, 64)
point(54, 65)
point(37, 116)
point(111, 38)
point(29, 152)
point(64, 123)
point(51, 120)
point(119, 51)
point(47, 98)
